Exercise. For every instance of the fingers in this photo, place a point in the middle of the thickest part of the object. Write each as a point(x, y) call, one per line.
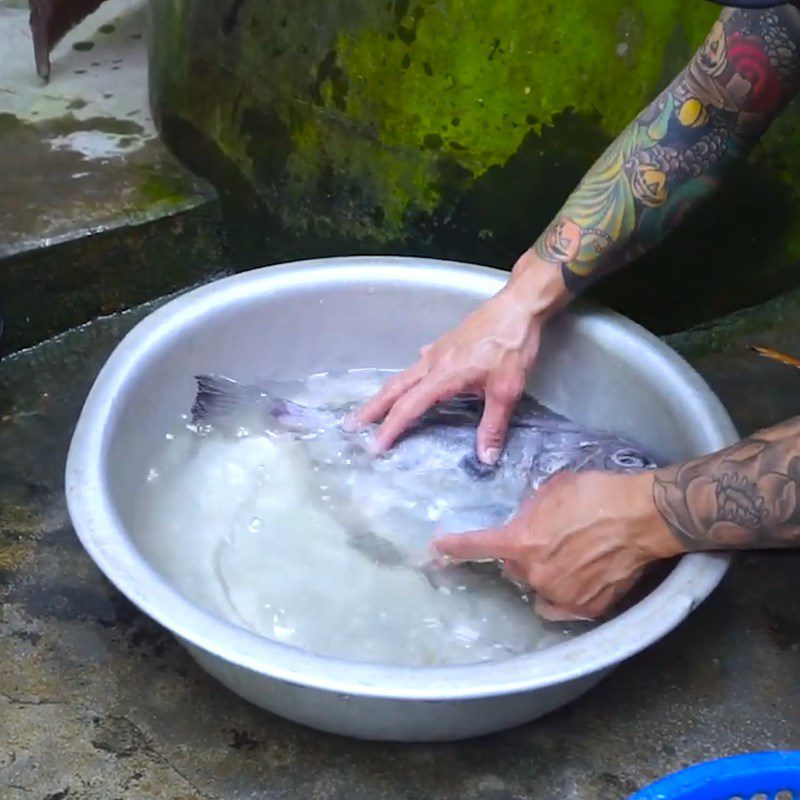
point(589, 606)
point(554, 613)
point(379, 405)
point(512, 571)
point(502, 394)
point(410, 407)
point(492, 543)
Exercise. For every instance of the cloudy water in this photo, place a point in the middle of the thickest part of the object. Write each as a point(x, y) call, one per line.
point(295, 533)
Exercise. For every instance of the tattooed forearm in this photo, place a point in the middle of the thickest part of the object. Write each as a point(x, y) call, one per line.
point(675, 152)
point(747, 496)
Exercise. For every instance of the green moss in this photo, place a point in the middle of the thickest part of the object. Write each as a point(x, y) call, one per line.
point(168, 50)
point(12, 556)
point(510, 62)
point(729, 331)
point(69, 123)
point(10, 123)
point(158, 189)
point(393, 84)
point(455, 128)
point(779, 155)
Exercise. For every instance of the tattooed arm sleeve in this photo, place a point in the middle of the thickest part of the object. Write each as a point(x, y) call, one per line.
point(747, 496)
point(675, 152)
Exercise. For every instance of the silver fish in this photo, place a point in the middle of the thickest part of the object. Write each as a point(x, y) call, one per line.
point(431, 480)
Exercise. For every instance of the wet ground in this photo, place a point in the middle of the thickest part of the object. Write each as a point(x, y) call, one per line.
point(96, 214)
point(98, 702)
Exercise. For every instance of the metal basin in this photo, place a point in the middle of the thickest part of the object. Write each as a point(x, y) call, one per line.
point(341, 313)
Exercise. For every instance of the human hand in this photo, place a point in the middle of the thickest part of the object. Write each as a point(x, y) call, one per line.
point(580, 543)
point(490, 354)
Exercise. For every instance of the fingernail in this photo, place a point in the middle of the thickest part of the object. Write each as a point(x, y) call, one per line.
point(490, 456)
point(350, 424)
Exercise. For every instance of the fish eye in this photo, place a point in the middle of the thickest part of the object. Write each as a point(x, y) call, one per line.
point(628, 458)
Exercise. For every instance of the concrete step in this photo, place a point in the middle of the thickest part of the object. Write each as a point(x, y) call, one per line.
point(95, 214)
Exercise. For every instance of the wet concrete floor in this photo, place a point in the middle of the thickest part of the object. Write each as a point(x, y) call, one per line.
point(96, 701)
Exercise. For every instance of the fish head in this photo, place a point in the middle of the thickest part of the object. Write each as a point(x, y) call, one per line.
point(608, 456)
point(610, 453)
point(572, 450)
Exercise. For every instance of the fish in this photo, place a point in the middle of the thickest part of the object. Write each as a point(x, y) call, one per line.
point(431, 482)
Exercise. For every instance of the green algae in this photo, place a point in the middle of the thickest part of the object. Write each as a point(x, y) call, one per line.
point(10, 123)
point(510, 61)
point(162, 189)
point(455, 129)
point(393, 84)
point(69, 123)
point(12, 555)
point(402, 80)
point(779, 154)
point(729, 331)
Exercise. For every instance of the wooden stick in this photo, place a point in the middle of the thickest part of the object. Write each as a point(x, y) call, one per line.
point(768, 352)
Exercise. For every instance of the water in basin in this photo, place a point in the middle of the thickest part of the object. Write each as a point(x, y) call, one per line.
point(265, 527)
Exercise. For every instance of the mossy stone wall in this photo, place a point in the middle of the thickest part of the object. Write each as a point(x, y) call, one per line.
point(454, 128)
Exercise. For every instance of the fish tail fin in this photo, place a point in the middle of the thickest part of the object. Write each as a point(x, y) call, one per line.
point(222, 401)
point(226, 404)
point(768, 352)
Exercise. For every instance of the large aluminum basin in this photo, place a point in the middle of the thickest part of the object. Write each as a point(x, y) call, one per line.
point(301, 318)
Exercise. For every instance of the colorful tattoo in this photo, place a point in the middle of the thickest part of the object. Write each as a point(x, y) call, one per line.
point(675, 152)
point(747, 496)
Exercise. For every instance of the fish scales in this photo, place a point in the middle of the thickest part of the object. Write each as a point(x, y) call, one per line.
point(432, 473)
point(267, 513)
